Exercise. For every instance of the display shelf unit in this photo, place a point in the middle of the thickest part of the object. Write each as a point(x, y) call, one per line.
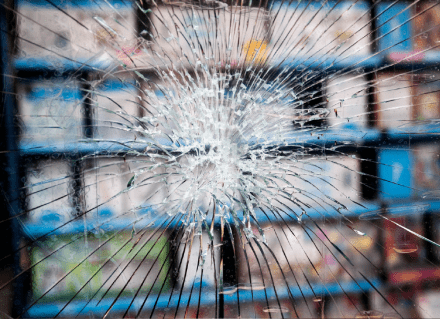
point(357, 137)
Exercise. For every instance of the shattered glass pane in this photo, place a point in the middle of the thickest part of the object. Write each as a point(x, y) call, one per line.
point(273, 159)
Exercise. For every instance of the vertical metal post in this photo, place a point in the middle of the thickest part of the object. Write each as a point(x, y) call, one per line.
point(429, 232)
point(369, 166)
point(12, 156)
point(77, 165)
point(371, 76)
point(88, 129)
point(228, 271)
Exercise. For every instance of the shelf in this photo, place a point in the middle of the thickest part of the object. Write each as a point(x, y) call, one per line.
point(208, 298)
point(347, 136)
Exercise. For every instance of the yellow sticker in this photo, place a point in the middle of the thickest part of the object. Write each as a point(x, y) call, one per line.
point(256, 51)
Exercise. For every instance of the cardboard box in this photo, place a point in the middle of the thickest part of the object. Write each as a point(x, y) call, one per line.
point(407, 33)
point(392, 38)
point(224, 36)
point(303, 29)
point(117, 109)
point(347, 101)
point(335, 177)
point(48, 182)
point(120, 269)
point(427, 34)
point(105, 31)
point(394, 102)
point(426, 97)
point(295, 251)
point(50, 110)
point(426, 169)
point(409, 173)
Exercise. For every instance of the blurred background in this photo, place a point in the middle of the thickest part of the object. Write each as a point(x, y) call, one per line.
point(381, 126)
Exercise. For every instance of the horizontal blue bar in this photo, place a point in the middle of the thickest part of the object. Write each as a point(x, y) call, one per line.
point(88, 147)
point(207, 299)
point(64, 94)
point(58, 64)
point(321, 5)
point(416, 132)
point(51, 223)
point(348, 135)
point(37, 229)
point(118, 4)
point(336, 62)
point(326, 62)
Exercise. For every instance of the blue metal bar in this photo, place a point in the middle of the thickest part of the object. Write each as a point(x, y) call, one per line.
point(86, 147)
point(50, 222)
point(118, 4)
point(65, 66)
point(207, 299)
point(350, 135)
point(36, 66)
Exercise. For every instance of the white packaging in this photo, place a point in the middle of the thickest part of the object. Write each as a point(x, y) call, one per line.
point(50, 110)
point(394, 100)
point(48, 185)
point(326, 180)
point(321, 30)
point(226, 35)
point(117, 110)
point(82, 32)
point(347, 101)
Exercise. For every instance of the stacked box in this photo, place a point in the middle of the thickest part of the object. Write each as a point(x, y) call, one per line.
point(394, 21)
point(104, 182)
point(426, 169)
point(315, 29)
point(409, 173)
point(326, 180)
point(117, 110)
point(48, 186)
point(50, 110)
point(425, 28)
point(426, 97)
point(409, 33)
point(228, 36)
point(120, 270)
point(347, 101)
point(394, 102)
point(295, 252)
point(82, 33)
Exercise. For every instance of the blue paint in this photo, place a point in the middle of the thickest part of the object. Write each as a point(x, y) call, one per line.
point(350, 133)
point(65, 94)
point(318, 5)
point(107, 220)
point(59, 226)
point(207, 299)
point(334, 62)
point(118, 4)
point(116, 85)
point(39, 64)
point(396, 168)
